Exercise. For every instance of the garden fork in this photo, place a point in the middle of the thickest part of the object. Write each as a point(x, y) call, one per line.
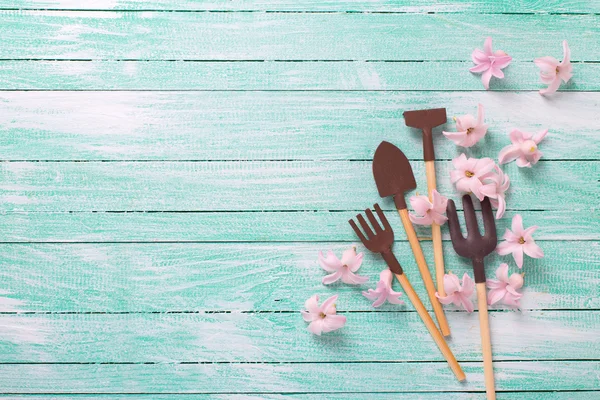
point(381, 241)
point(476, 246)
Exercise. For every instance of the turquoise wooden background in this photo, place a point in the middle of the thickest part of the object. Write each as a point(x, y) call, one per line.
point(171, 169)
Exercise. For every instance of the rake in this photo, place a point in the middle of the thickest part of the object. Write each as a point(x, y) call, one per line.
point(381, 242)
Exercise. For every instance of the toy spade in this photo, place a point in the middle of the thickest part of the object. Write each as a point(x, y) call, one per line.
point(394, 176)
point(381, 241)
point(476, 246)
point(426, 120)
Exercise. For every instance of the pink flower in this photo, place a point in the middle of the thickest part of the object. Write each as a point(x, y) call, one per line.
point(470, 131)
point(322, 318)
point(384, 290)
point(343, 268)
point(489, 62)
point(469, 172)
point(505, 288)
point(523, 148)
point(552, 72)
point(428, 212)
point(456, 294)
point(519, 240)
point(496, 183)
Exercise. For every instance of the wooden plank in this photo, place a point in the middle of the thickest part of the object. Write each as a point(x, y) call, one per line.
point(252, 276)
point(310, 226)
point(267, 337)
point(292, 378)
point(236, 75)
point(439, 6)
point(260, 185)
point(289, 36)
point(538, 395)
point(275, 125)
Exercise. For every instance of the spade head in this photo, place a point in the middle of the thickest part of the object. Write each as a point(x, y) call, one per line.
point(426, 120)
point(393, 173)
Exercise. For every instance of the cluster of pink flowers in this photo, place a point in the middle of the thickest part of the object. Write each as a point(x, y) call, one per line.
point(324, 318)
point(491, 63)
point(482, 177)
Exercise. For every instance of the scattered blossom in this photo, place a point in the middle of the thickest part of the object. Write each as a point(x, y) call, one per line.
point(428, 212)
point(457, 294)
point(496, 183)
point(384, 291)
point(523, 148)
point(505, 288)
point(322, 318)
point(343, 269)
point(470, 130)
point(553, 72)
point(489, 62)
point(518, 241)
point(469, 172)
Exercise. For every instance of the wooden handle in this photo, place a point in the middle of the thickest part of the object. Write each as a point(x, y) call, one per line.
point(436, 233)
point(424, 269)
point(435, 334)
point(486, 344)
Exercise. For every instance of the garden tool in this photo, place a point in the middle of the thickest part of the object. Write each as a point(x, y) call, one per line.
point(394, 176)
point(426, 120)
point(381, 241)
point(476, 246)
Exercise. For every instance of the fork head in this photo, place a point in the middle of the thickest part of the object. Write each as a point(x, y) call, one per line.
point(475, 246)
point(379, 241)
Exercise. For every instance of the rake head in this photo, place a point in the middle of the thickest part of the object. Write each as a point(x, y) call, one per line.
point(379, 241)
point(475, 246)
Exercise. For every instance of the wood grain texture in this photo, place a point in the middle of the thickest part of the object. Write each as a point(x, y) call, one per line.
point(456, 6)
point(275, 337)
point(246, 277)
point(84, 35)
point(259, 185)
point(303, 226)
point(239, 75)
point(537, 395)
point(291, 378)
point(277, 125)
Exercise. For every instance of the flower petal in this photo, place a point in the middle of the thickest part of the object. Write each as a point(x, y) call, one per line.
point(352, 279)
point(333, 322)
point(518, 256)
point(484, 66)
point(502, 273)
point(495, 295)
point(506, 247)
point(316, 326)
point(517, 225)
point(485, 78)
point(331, 278)
point(421, 220)
point(487, 46)
point(468, 285)
point(328, 306)
point(502, 61)
point(312, 304)
point(566, 53)
point(330, 263)
point(516, 281)
point(537, 138)
point(553, 87)
point(533, 250)
point(467, 304)
point(372, 294)
point(420, 204)
point(546, 64)
point(451, 283)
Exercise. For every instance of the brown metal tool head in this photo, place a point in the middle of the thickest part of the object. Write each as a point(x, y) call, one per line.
point(393, 173)
point(381, 240)
point(475, 246)
point(426, 120)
